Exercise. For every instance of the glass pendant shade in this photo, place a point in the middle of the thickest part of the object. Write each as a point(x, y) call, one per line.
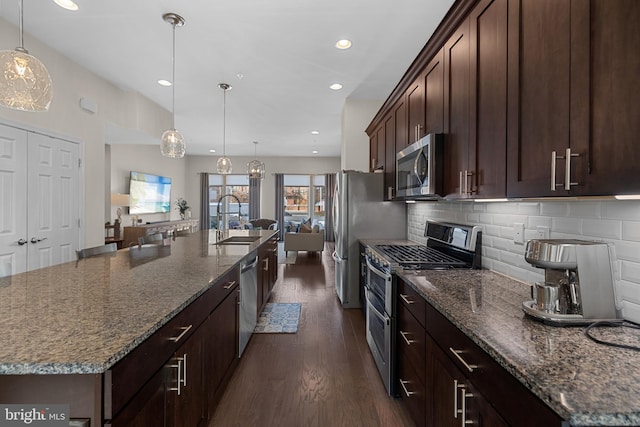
point(224, 165)
point(25, 83)
point(172, 144)
point(256, 169)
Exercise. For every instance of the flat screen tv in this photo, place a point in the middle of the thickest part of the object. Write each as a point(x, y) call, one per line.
point(149, 193)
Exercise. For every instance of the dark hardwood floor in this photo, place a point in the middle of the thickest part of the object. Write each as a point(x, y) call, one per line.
point(321, 376)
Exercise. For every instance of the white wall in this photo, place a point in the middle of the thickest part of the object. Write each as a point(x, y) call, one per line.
point(288, 165)
point(356, 116)
point(611, 221)
point(65, 119)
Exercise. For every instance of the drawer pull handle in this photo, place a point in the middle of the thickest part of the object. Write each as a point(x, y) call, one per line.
point(464, 396)
point(456, 353)
point(456, 386)
point(404, 388)
point(185, 329)
point(230, 285)
point(404, 336)
point(406, 299)
point(179, 380)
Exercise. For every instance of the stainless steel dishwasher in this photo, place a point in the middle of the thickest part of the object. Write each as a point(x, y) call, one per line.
point(248, 298)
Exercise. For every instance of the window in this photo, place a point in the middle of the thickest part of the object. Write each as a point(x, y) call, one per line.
point(304, 198)
point(232, 214)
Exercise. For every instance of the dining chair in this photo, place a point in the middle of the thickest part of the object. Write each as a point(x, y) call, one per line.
point(110, 248)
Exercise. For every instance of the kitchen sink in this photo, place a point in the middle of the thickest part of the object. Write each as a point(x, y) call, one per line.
point(238, 240)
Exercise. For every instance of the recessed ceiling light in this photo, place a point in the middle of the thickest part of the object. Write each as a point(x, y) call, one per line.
point(212, 151)
point(315, 132)
point(343, 44)
point(163, 82)
point(315, 151)
point(67, 4)
point(335, 86)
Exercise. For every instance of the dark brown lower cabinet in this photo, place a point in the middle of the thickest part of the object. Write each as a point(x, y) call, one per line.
point(456, 402)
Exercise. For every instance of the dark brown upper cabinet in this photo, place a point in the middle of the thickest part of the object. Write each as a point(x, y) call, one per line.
point(415, 110)
point(434, 94)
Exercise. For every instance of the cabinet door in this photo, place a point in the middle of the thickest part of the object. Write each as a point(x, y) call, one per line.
point(488, 112)
point(389, 157)
point(185, 394)
point(434, 94)
point(538, 94)
point(604, 98)
point(221, 347)
point(402, 126)
point(146, 409)
point(380, 147)
point(373, 150)
point(456, 51)
point(415, 110)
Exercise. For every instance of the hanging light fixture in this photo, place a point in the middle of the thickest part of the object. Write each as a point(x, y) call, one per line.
point(255, 168)
point(224, 163)
point(172, 143)
point(25, 83)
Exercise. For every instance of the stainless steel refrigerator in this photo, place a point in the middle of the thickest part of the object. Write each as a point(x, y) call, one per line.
point(360, 212)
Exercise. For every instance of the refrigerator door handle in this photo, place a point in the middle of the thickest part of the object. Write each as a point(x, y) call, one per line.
point(335, 257)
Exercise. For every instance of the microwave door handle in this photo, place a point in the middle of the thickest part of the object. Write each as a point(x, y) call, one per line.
point(422, 176)
point(416, 165)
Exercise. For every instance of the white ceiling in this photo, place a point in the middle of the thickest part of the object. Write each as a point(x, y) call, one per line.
point(284, 48)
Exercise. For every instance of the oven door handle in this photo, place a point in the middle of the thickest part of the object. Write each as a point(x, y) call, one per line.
point(371, 267)
point(375, 311)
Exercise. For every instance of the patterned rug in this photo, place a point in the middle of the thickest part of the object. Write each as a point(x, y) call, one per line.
point(279, 318)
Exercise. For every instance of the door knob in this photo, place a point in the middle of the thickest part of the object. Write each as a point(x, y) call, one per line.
point(22, 242)
point(34, 240)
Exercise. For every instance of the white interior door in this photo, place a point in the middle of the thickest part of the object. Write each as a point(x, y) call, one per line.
point(13, 200)
point(53, 206)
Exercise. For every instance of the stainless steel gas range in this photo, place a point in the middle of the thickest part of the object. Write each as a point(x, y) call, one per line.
point(448, 246)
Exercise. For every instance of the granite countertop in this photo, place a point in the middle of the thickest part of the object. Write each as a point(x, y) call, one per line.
point(81, 317)
point(587, 384)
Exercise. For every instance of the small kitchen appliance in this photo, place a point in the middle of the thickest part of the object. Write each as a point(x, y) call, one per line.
point(578, 286)
point(419, 169)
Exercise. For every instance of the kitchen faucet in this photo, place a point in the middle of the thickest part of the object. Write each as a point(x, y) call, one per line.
point(220, 215)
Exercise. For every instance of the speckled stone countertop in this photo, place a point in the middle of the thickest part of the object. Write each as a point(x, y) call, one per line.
point(587, 384)
point(82, 317)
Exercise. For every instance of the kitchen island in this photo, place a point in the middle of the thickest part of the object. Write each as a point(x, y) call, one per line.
point(585, 383)
point(78, 320)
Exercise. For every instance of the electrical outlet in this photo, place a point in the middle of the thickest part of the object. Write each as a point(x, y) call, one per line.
point(518, 233)
point(542, 232)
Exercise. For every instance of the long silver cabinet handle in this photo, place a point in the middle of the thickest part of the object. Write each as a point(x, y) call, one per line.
point(404, 336)
point(567, 177)
point(404, 388)
point(407, 300)
point(554, 158)
point(179, 381)
point(230, 285)
point(456, 386)
point(456, 353)
point(184, 369)
point(464, 396)
point(185, 329)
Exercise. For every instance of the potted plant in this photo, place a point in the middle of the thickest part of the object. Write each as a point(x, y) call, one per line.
point(182, 206)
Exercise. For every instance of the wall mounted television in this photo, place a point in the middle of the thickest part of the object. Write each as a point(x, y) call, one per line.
point(149, 193)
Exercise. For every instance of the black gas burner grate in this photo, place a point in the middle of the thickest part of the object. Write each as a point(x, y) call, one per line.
point(419, 256)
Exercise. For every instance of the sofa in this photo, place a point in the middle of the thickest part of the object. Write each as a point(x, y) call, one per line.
point(310, 239)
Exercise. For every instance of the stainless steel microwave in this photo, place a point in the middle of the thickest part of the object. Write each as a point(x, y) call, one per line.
point(419, 168)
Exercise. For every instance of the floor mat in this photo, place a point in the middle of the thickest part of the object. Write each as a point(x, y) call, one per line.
point(279, 318)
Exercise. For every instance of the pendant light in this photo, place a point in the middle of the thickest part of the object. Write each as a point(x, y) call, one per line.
point(224, 163)
point(255, 168)
point(172, 143)
point(25, 83)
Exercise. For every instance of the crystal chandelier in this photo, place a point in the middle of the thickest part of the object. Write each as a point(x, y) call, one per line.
point(172, 143)
point(255, 168)
point(224, 163)
point(25, 83)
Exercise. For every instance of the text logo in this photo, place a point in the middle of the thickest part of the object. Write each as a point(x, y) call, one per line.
point(34, 415)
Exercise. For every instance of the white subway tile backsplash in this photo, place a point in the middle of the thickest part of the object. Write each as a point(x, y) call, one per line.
point(621, 209)
point(608, 229)
point(566, 225)
point(585, 209)
point(631, 230)
point(613, 221)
